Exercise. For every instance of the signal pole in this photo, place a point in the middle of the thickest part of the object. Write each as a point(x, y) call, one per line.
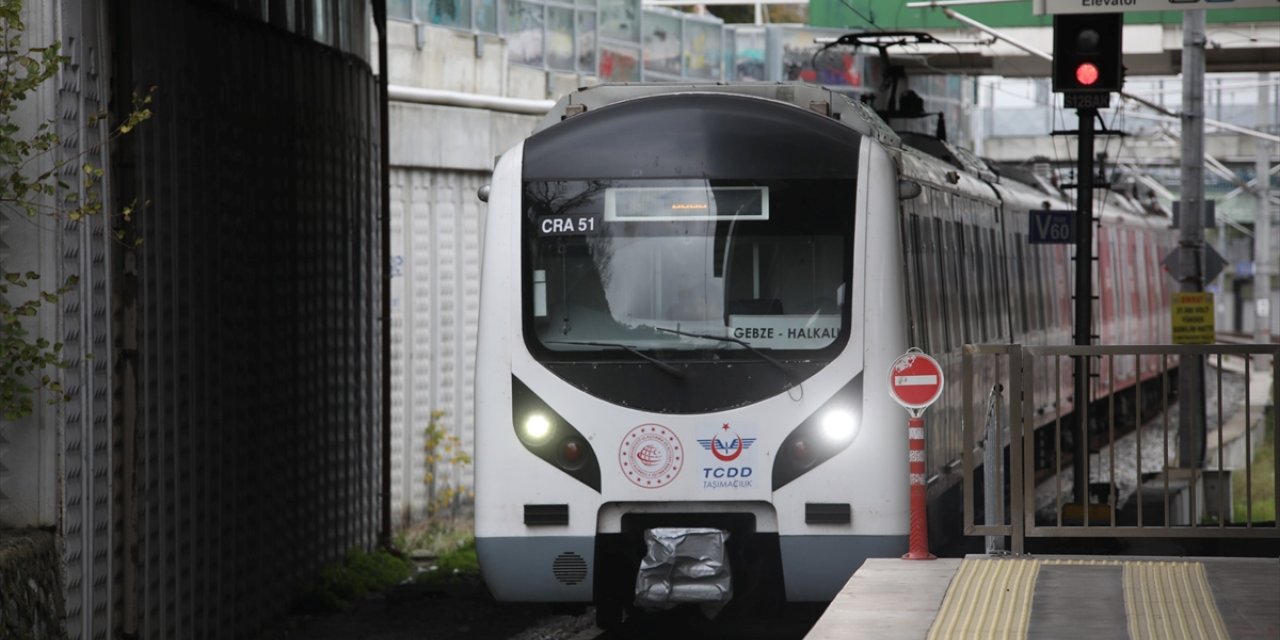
point(1084, 302)
point(1191, 403)
point(1087, 66)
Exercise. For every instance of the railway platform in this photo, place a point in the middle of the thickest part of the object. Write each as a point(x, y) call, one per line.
point(1050, 597)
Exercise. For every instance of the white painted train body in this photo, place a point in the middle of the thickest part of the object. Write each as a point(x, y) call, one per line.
point(691, 298)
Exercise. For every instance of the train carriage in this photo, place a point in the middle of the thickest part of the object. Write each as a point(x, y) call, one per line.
point(691, 297)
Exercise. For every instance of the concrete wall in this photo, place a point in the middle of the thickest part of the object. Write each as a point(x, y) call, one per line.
point(436, 58)
point(440, 157)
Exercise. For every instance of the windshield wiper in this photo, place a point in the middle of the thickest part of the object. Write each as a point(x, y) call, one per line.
point(743, 343)
point(629, 349)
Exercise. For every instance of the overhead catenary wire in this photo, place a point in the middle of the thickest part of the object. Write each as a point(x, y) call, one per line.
point(966, 20)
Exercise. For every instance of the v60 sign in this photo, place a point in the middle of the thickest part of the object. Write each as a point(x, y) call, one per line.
point(1052, 226)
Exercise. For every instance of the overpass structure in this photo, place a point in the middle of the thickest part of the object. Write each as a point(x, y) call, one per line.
point(1239, 40)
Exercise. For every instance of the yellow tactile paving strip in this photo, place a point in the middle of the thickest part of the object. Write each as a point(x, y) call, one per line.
point(987, 599)
point(1170, 600)
point(991, 598)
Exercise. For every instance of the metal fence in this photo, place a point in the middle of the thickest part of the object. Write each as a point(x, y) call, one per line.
point(248, 337)
point(1137, 486)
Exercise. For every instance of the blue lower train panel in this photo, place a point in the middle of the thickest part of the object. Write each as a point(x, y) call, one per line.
point(538, 569)
point(561, 568)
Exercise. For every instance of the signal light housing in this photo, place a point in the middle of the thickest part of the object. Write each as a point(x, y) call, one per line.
point(1087, 52)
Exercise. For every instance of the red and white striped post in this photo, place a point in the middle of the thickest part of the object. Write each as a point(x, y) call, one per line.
point(915, 382)
point(918, 541)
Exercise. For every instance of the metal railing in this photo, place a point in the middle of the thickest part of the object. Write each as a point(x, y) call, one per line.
point(1136, 488)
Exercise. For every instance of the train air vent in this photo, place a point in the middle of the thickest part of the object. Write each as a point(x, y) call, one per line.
point(569, 568)
point(546, 514)
point(827, 513)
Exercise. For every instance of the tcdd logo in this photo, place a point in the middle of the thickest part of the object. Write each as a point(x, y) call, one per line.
point(727, 449)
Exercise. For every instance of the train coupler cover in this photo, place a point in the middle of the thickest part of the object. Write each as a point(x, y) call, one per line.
point(684, 566)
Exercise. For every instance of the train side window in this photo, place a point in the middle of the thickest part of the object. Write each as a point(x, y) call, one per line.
point(1123, 287)
point(953, 268)
point(988, 255)
point(1140, 266)
point(1127, 282)
point(919, 325)
point(946, 277)
point(1020, 274)
point(982, 310)
point(999, 295)
point(971, 292)
point(1040, 287)
point(1115, 290)
point(978, 256)
point(1060, 280)
point(937, 303)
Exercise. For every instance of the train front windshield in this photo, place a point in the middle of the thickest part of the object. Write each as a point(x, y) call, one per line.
point(695, 268)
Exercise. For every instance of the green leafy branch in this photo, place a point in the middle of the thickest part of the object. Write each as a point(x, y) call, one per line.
point(26, 361)
point(441, 446)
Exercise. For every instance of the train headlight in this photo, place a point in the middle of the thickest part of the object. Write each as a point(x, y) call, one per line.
point(821, 436)
point(550, 437)
point(537, 428)
point(839, 425)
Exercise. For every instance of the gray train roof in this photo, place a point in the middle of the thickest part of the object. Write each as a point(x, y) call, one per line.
point(946, 166)
point(854, 115)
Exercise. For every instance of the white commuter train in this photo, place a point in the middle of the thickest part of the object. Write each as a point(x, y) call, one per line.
point(691, 298)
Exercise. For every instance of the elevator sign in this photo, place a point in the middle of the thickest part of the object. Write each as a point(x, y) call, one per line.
point(1052, 7)
point(915, 380)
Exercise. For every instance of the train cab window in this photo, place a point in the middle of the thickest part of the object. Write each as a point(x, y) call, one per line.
point(696, 268)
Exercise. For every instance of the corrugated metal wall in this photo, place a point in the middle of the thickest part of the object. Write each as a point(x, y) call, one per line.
point(249, 336)
point(436, 225)
point(89, 516)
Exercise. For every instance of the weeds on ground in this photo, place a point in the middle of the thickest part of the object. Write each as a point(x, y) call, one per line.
point(357, 576)
point(455, 565)
point(447, 549)
point(1262, 480)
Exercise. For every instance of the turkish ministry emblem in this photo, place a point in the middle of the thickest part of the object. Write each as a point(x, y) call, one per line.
point(651, 456)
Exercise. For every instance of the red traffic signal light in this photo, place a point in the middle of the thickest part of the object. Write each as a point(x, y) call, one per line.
point(1087, 52)
point(1086, 74)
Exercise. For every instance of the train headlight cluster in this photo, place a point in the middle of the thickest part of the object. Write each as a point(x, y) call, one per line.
point(825, 433)
point(839, 425)
point(548, 435)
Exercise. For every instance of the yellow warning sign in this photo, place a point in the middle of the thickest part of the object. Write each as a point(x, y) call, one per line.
point(1193, 318)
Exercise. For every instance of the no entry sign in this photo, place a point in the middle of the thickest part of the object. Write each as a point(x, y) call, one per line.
point(915, 380)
